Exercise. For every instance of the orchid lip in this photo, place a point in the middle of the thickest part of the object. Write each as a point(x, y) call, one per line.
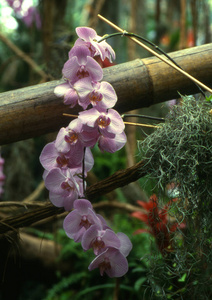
point(82, 73)
point(66, 186)
point(103, 121)
point(105, 265)
point(84, 222)
point(62, 161)
point(72, 137)
point(95, 97)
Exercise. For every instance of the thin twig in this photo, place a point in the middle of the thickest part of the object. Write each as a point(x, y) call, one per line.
point(23, 56)
point(83, 172)
point(141, 125)
point(127, 123)
point(100, 205)
point(164, 59)
point(142, 116)
point(36, 193)
point(70, 115)
point(23, 204)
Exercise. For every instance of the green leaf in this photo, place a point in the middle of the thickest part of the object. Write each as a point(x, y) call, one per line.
point(139, 283)
point(183, 278)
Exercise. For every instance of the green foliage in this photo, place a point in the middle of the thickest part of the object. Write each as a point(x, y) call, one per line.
point(57, 291)
point(108, 163)
point(209, 98)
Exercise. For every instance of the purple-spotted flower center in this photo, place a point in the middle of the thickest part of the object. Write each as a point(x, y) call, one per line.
point(95, 97)
point(65, 186)
point(92, 50)
point(103, 121)
point(62, 161)
point(72, 137)
point(85, 222)
point(104, 266)
point(97, 245)
point(82, 73)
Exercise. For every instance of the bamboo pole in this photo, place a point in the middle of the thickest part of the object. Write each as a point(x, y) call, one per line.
point(35, 110)
point(161, 57)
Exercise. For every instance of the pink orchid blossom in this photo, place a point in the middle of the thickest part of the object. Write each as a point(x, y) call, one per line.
point(73, 139)
point(51, 158)
point(100, 94)
point(84, 92)
point(69, 155)
point(81, 65)
point(77, 222)
point(89, 38)
point(61, 182)
point(109, 123)
point(99, 239)
point(64, 187)
point(112, 262)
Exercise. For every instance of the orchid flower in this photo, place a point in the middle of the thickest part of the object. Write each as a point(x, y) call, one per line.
point(89, 38)
point(62, 182)
point(111, 259)
point(81, 65)
point(112, 262)
point(68, 159)
point(73, 139)
point(80, 219)
point(100, 95)
point(99, 239)
point(109, 123)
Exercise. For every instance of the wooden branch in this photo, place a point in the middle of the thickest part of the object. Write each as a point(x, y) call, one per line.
point(118, 179)
point(35, 110)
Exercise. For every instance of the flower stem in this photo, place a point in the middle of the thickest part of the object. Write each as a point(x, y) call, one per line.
point(130, 123)
point(141, 125)
point(143, 116)
point(164, 59)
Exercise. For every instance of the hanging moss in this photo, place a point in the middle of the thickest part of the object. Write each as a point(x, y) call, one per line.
point(180, 151)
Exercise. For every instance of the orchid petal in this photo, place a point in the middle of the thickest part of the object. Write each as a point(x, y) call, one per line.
point(112, 145)
point(61, 89)
point(126, 245)
point(85, 33)
point(112, 262)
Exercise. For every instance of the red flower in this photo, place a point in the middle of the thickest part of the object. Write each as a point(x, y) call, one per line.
point(157, 221)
